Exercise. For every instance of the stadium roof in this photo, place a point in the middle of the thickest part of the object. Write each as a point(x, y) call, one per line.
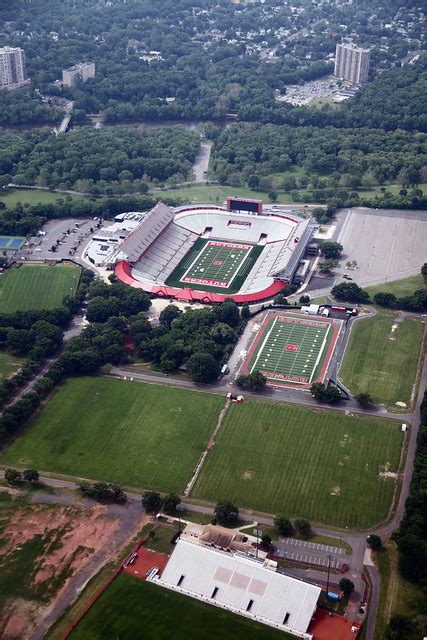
point(242, 584)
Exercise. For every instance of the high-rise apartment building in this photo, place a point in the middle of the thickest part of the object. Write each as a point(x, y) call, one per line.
point(352, 63)
point(83, 71)
point(12, 67)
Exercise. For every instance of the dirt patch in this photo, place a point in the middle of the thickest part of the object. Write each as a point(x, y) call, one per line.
point(247, 475)
point(387, 474)
point(336, 491)
point(62, 541)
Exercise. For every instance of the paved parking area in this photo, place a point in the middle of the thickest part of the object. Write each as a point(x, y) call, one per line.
point(312, 547)
point(310, 552)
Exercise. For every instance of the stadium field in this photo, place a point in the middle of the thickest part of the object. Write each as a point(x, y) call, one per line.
point(214, 265)
point(322, 465)
point(33, 286)
point(382, 358)
point(132, 433)
point(292, 349)
point(132, 608)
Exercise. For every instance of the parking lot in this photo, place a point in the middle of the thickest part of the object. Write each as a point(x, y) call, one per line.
point(61, 240)
point(310, 552)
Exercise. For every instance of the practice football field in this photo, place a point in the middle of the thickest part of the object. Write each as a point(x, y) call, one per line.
point(137, 434)
point(291, 349)
point(322, 465)
point(33, 286)
point(132, 608)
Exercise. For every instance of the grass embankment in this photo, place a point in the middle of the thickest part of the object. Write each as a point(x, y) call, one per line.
point(136, 434)
point(318, 464)
point(33, 286)
point(32, 197)
point(397, 595)
point(382, 358)
point(132, 608)
point(400, 288)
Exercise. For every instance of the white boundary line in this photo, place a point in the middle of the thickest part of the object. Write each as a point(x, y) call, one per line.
point(248, 252)
point(264, 341)
point(320, 353)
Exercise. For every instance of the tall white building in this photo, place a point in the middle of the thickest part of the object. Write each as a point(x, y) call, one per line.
point(83, 71)
point(352, 63)
point(12, 67)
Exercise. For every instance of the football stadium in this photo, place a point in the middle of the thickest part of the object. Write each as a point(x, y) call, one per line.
point(208, 253)
point(292, 349)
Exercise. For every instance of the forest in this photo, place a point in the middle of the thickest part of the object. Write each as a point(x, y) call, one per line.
point(114, 160)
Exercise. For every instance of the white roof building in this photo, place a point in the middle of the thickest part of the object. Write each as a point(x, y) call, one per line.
point(241, 584)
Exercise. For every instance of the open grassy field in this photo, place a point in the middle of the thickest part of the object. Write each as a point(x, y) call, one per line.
point(400, 288)
point(379, 350)
point(137, 434)
point(218, 193)
point(131, 608)
point(9, 364)
point(33, 286)
point(31, 197)
point(317, 464)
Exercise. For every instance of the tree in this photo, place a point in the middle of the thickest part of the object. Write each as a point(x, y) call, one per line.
point(350, 292)
point(304, 299)
point(364, 399)
point(424, 270)
point(168, 314)
point(374, 542)
point(323, 393)
point(327, 266)
point(171, 502)
point(283, 525)
point(304, 527)
point(346, 586)
point(226, 512)
point(331, 250)
point(266, 540)
point(401, 628)
point(12, 476)
point(245, 313)
point(151, 501)
point(202, 367)
point(31, 475)
point(253, 182)
point(254, 380)
point(272, 195)
point(385, 299)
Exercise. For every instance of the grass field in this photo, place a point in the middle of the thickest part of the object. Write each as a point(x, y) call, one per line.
point(31, 197)
point(34, 286)
point(218, 193)
point(382, 358)
point(317, 464)
point(132, 433)
point(291, 349)
point(400, 288)
point(9, 364)
point(131, 608)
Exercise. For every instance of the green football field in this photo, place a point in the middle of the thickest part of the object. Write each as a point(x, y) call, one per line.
point(322, 465)
point(382, 357)
point(33, 286)
point(291, 349)
point(214, 265)
point(132, 608)
point(127, 432)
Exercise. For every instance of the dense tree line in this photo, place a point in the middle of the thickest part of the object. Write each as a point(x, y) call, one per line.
point(109, 159)
point(25, 106)
point(331, 158)
point(351, 292)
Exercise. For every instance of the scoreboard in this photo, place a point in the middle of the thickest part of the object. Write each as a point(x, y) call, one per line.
point(244, 206)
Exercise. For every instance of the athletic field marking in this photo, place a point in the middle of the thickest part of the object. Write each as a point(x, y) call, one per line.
point(217, 254)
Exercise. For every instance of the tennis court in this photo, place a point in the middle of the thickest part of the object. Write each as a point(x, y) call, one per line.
point(11, 243)
point(292, 349)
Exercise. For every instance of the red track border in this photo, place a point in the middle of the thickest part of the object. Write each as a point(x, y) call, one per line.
point(123, 271)
point(326, 358)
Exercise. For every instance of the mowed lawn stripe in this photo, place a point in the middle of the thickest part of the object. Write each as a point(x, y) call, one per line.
point(382, 358)
point(322, 465)
point(34, 286)
point(128, 432)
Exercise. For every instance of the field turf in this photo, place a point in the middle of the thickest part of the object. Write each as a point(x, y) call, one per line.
point(131, 608)
point(317, 464)
point(127, 432)
point(382, 358)
point(291, 349)
point(211, 267)
point(33, 286)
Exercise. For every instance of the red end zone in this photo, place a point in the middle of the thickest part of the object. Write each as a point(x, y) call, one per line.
point(280, 379)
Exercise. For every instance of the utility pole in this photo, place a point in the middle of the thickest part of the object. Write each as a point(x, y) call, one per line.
point(329, 568)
